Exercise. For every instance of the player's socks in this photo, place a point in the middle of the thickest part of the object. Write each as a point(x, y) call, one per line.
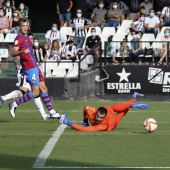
point(40, 107)
point(47, 101)
point(12, 95)
point(26, 97)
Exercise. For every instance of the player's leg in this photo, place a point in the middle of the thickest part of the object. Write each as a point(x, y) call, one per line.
point(32, 76)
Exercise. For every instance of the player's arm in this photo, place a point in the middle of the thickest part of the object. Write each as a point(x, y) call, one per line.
point(16, 52)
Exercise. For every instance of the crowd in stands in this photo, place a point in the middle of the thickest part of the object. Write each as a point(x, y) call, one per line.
point(129, 22)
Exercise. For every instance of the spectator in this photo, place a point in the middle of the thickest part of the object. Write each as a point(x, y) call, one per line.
point(111, 49)
point(139, 24)
point(136, 48)
point(56, 51)
point(14, 26)
point(152, 23)
point(114, 16)
point(90, 43)
point(52, 34)
point(125, 49)
point(98, 16)
point(148, 5)
point(164, 39)
point(160, 4)
point(1, 4)
point(23, 10)
point(63, 9)
point(122, 6)
point(165, 16)
point(80, 24)
point(39, 52)
point(70, 51)
point(141, 12)
point(47, 48)
point(9, 8)
point(4, 21)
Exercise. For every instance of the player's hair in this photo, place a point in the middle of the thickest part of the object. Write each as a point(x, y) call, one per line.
point(22, 20)
point(102, 110)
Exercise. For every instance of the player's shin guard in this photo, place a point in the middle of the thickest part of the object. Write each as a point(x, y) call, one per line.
point(47, 101)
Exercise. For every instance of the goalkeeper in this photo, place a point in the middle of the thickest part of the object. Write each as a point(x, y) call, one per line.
point(103, 118)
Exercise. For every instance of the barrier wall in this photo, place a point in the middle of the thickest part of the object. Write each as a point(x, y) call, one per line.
point(144, 79)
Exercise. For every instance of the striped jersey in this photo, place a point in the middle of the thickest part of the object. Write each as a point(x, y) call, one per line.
point(78, 22)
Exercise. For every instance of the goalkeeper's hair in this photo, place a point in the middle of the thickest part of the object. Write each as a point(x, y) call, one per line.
point(102, 110)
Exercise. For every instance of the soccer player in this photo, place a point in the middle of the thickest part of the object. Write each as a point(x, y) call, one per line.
point(103, 118)
point(23, 48)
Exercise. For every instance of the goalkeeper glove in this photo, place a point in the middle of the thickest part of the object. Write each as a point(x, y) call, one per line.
point(85, 123)
point(64, 119)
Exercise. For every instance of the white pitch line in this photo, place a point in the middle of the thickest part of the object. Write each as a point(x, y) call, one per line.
point(88, 167)
point(41, 159)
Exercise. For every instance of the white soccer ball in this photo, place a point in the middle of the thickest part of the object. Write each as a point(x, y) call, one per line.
point(150, 124)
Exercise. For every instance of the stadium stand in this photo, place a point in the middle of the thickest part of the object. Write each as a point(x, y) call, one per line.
point(10, 38)
point(108, 31)
point(1, 37)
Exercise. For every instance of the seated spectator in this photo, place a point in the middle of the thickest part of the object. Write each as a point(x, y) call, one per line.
point(98, 16)
point(141, 12)
point(9, 8)
point(148, 5)
point(136, 48)
point(63, 9)
point(70, 51)
point(56, 52)
point(23, 10)
point(39, 53)
point(139, 24)
point(90, 43)
point(47, 48)
point(111, 49)
point(14, 27)
point(125, 49)
point(4, 21)
point(152, 23)
point(80, 24)
point(114, 16)
point(52, 34)
point(165, 16)
point(164, 39)
point(122, 6)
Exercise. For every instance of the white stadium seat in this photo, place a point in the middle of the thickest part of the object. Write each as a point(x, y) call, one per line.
point(10, 37)
point(66, 64)
point(4, 53)
point(73, 72)
point(126, 23)
point(66, 30)
point(123, 30)
point(58, 72)
point(108, 31)
point(1, 37)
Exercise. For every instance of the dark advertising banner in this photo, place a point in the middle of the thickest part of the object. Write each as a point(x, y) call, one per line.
point(143, 79)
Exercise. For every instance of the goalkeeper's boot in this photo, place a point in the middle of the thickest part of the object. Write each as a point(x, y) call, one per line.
point(140, 106)
point(137, 95)
point(12, 109)
point(1, 101)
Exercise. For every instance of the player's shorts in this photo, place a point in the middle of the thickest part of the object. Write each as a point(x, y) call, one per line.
point(41, 77)
point(33, 76)
point(22, 81)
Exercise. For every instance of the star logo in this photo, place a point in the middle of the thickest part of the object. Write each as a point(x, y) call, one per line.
point(123, 75)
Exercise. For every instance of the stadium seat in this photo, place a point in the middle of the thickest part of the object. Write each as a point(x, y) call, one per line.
point(66, 30)
point(132, 16)
point(58, 72)
point(10, 38)
point(1, 37)
point(90, 59)
point(118, 37)
point(73, 72)
point(49, 67)
point(123, 30)
point(98, 31)
point(126, 23)
point(4, 53)
point(83, 64)
point(66, 64)
point(108, 31)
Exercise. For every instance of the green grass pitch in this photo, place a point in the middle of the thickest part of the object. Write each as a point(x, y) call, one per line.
point(22, 139)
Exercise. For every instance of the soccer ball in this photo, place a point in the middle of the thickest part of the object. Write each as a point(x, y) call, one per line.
point(150, 124)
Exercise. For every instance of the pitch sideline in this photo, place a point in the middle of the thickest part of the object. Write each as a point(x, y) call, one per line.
point(41, 159)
